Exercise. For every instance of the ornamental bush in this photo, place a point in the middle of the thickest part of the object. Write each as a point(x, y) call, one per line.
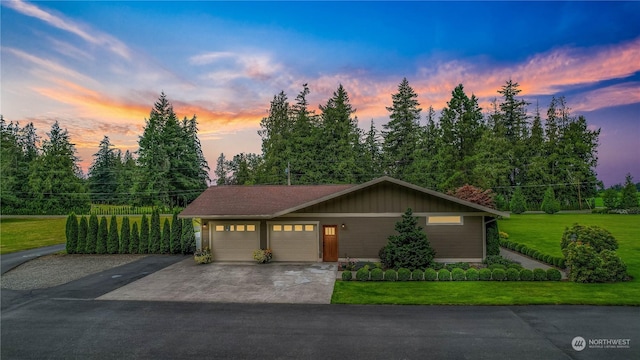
point(417, 275)
point(539, 275)
point(134, 244)
point(155, 233)
point(83, 229)
point(518, 204)
point(176, 234)
point(444, 275)
point(493, 240)
point(484, 274)
point(72, 233)
point(346, 275)
point(497, 266)
point(125, 236)
point(526, 275)
point(390, 275)
point(363, 273)
point(599, 238)
point(549, 203)
point(144, 235)
point(113, 240)
point(554, 274)
point(404, 274)
point(165, 244)
point(92, 235)
point(377, 274)
point(103, 234)
point(457, 274)
point(410, 248)
point(513, 274)
point(430, 275)
point(498, 275)
point(472, 274)
point(514, 266)
point(458, 265)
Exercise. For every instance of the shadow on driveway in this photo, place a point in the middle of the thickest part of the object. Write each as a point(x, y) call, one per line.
point(308, 283)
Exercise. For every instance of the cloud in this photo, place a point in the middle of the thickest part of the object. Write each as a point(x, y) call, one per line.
point(230, 65)
point(49, 65)
point(620, 94)
point(84, 32)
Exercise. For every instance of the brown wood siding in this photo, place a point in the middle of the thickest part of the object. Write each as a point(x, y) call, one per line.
point(386, 198)
point(363, 237)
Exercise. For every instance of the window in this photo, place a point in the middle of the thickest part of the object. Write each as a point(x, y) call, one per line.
point(240, 227)
point(297, 228)
point(330, 230)
point(277, 227)
point(251, 228)
point(444, 220)
point(219, 228)
point(288, 228)
point(308, 228)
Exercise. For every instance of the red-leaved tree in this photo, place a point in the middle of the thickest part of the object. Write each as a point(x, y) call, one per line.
point(475, 195)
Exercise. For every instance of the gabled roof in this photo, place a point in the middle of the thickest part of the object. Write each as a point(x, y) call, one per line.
point(270, 201)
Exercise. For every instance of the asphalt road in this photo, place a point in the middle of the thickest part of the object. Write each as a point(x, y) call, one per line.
point(9, 261)
point(66, 322)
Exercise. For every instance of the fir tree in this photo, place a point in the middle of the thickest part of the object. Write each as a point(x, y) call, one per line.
point(549, 204)
point(125, 236)
point(103, 181)
point(103, 235)
point(518, 203)
point(134, 245)
point(410, 248)
point(629, 194)
point(72, 233)
point(92, 235)
point(610, 198)
point(83, 229)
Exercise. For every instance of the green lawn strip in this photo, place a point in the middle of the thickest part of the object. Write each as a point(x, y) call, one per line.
point(484, 293)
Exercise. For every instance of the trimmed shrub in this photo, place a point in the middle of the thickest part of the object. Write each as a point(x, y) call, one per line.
point(103, 235)
point(613, 268)
point(457, 274)
point(404, 274)
point(165, 245)
point(92, 235)
point(176, 234)
point(72, 233)
point(134, 244)
point(155, 233)
point(390, 275)
point(526, 275)
point(493, 240)
point(430, 275)
point(188, 238)
point(554, 274)
point(113, 240)
point(436, 266)
point(484, 274)
point(377, 274)
point(417, 275)
point(125, 236)
point(83, 228)
point(562, 263)
point(458, 265)
point(539, 275)
point(472, 274)
point(498, 275)
point(346, 275)
point(598, 238)
point(513, 274)
point(497, 266)
point(514, 266)
point(444, 275)
point(586, 265)
point(523, 249)
point(535, 254)
point(363, 274)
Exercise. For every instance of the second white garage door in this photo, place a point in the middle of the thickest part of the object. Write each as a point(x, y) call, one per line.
point(294, 241)
point(234, 241)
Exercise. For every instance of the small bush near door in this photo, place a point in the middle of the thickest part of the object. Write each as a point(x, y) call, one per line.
point(363, 273)
point(346, 275)
point(377, 274)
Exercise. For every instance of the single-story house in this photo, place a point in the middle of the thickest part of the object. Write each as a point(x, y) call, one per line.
point(328, 222)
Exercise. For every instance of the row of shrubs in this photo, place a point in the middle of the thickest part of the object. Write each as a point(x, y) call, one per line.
point(557, 261)
point(457, 274)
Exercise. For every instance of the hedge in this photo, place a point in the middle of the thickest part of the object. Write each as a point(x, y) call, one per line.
point(533, 253)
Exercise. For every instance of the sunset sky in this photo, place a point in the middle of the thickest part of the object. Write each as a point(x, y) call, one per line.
point(98, 67)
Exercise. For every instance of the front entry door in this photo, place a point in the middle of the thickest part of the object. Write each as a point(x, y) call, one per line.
point(330, 243)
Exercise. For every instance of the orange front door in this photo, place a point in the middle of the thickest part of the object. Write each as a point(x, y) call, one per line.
point(330, 243)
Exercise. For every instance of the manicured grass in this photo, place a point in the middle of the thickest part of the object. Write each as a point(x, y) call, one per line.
point(542, 232)
point(17, 234)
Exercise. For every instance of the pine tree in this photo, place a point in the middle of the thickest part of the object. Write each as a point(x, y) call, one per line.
point(92, 235)
point(155, 233)
point(144, 235)
point(103, 235)
point(401, 132)
point(176, 234)
point(166, 237)
point(126, 178)
point(306, 162)
point(134, 245)
point(103, 173)
point(275, 132)
point(222, 171)
point(518, 203)
point(72, 233)
point(125, 236)
point(629, 194)
point(549, 204)
point(83, 229)
point(371, 155)
point(188, 239)
point(410, 248)
point(514, 119)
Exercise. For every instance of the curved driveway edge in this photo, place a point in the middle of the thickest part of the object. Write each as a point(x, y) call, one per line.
point(308, 283)
point(11, 260)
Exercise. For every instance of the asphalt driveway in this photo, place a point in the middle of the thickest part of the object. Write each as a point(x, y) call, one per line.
point(309, 283)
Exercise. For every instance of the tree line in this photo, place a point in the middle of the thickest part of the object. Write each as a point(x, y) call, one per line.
point(93, 236)
point(506, 148)
point(43, 177)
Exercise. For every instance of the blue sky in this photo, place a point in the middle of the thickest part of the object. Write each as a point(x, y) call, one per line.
point(97, 67)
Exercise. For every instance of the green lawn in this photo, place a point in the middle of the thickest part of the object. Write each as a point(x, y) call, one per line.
point(542, 232)
point(18, 234)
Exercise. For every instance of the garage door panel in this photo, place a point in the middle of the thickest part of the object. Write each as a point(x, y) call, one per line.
point(234, 245)
point(294, 245)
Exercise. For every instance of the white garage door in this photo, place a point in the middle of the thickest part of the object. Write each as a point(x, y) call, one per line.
point(293, 241)
point(234, 241)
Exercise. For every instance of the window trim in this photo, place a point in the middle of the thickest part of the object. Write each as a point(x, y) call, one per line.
point(445, 223)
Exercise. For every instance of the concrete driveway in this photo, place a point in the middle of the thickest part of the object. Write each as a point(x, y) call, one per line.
point(309, 283)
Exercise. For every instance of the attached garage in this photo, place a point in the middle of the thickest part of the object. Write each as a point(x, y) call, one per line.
point(293, 241)
point(234, 241)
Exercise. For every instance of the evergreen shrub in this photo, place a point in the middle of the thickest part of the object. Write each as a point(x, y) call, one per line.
point(539, 275)
point(554, 274)
point(526, 275)
point(377, 274)
point(444, 275)
point(363, 273)
point(430, 275)
point(390, 275)
point(458, 274)
point(346, 275)
point(484, 274)
point(404, 274)
point(498, 275)
point(417, 275)
point(513, 274)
